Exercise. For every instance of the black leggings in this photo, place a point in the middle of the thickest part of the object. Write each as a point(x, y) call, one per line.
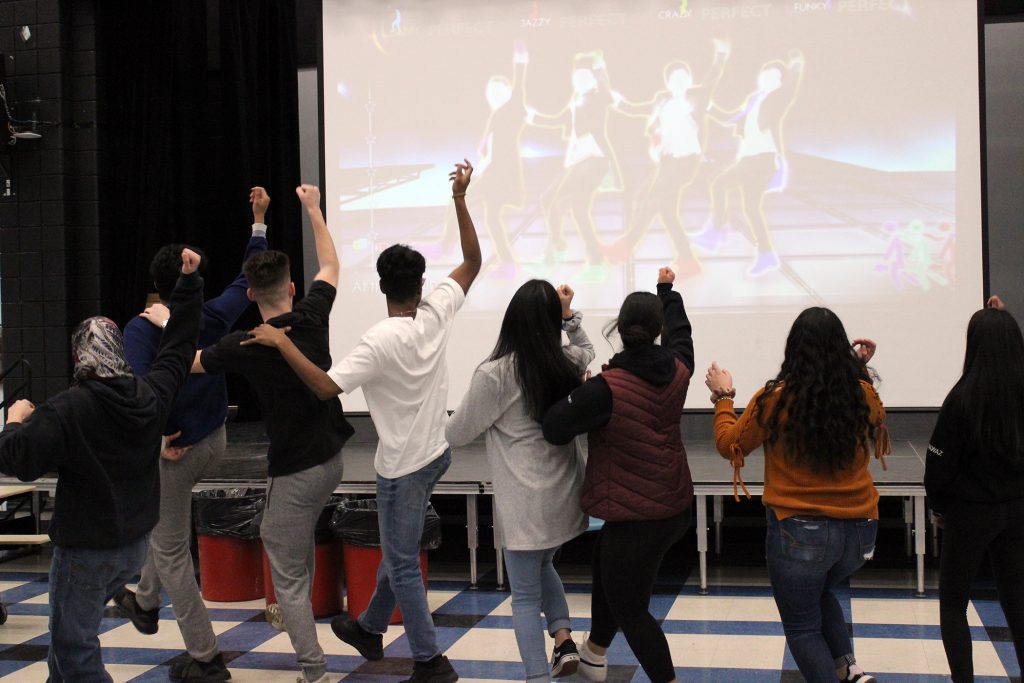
point(971, 529)
point(627, 557)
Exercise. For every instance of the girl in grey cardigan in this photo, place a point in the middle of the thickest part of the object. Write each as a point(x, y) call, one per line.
point(536, 484)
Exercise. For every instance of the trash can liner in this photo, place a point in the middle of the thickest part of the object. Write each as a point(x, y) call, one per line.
point(234, 513)
point(355, 522)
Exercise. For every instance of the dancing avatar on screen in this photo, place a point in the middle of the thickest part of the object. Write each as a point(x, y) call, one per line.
point(500, 168)
point(677, 129)
point(760, 165)
point(589, 159)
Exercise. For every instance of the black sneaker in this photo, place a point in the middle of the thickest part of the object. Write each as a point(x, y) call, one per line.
point(192, 670)
point(144, 621)
point(369, 645)
point(437, 670)
point(565, 659)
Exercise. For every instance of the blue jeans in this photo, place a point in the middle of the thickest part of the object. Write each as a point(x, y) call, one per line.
point(807, 558)
point(82, 580)
point(536, 587)
point(401, 509)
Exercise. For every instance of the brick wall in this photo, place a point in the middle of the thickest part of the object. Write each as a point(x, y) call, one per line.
point(49, 232)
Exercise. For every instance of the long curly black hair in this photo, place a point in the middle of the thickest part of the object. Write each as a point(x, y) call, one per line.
point(828, 417)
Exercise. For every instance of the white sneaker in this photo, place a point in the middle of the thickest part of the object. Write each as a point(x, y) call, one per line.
point(322, 679)
point(592, 667)
point(274, 616)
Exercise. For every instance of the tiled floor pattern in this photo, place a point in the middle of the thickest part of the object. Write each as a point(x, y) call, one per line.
point(731, 635)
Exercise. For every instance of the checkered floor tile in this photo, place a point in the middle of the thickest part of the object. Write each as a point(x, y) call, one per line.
point(731, 635)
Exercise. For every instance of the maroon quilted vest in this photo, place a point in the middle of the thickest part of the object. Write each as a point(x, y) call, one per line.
point(637, 467)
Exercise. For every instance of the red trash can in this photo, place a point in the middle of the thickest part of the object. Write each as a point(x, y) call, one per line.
point(229, 547)
point(326, 580)
point(361, 578)
point(229, 569)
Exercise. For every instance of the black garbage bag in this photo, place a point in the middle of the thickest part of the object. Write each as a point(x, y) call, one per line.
point(355, 522)
point(324, 533)
point(229, 512)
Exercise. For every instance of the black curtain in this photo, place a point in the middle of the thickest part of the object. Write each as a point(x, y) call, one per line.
point(201, 104)
point(153, 64)
point(259, 73)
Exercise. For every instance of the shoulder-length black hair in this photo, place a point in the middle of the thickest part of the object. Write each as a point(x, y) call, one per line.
point(827, 415)
point(531, 333)
point(991, 389)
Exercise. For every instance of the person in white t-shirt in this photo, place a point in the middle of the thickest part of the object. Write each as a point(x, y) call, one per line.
point(401, 366)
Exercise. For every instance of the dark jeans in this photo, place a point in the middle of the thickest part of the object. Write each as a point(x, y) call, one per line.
point(627, 556)
point(971, 529)
point(81, 582)
point(807, 558)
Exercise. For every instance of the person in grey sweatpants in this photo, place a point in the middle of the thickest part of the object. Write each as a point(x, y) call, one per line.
point(304, 461)
point(294, 504)
point(192, 449)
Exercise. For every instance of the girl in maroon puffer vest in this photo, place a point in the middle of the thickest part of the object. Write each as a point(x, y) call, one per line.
point(637, 478)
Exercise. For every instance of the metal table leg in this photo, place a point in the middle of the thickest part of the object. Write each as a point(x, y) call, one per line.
point(920, 532)
point(498, 543)
point(37, 511)
point(472, 536)
point(702, 541)
point(719, 514)
point(908, 521)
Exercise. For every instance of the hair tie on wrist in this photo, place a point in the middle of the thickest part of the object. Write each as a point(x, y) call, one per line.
point(458, 194)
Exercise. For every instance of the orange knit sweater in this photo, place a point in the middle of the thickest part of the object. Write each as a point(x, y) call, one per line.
point(789, 489)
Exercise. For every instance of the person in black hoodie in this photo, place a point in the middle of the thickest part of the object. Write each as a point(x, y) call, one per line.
point(974, 475)
point(638, 479)
point(103, 437)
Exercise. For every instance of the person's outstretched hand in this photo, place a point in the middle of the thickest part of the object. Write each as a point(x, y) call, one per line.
point(995, 302)
point(157, 314)
point(666, 276)
point(266, 335)
point(565, 295)
point(460, 177)
point(719, 381)
point(865, 349)
point(309, 195)
point(260, 200)
point(189, 261)
point(20, 411)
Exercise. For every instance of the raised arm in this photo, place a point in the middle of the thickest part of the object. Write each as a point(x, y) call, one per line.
point(229, 306)
point(580, 349)
point(326, 254)
point(678, 333)
point(178, 344)
point(465, 273)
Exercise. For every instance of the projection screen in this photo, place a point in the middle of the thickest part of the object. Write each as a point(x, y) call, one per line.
point(777, 155)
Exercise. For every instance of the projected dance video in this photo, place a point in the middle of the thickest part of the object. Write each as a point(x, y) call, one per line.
point(776, 158)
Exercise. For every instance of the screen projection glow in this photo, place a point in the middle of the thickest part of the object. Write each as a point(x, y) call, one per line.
point(778, 155)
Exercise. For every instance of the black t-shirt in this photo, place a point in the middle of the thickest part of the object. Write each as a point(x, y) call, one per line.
point(304, 431)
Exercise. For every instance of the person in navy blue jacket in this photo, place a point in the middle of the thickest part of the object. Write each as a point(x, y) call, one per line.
point(102, 436)
point(194, 445)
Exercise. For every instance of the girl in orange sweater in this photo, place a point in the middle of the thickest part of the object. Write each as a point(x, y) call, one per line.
point(816, 420)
